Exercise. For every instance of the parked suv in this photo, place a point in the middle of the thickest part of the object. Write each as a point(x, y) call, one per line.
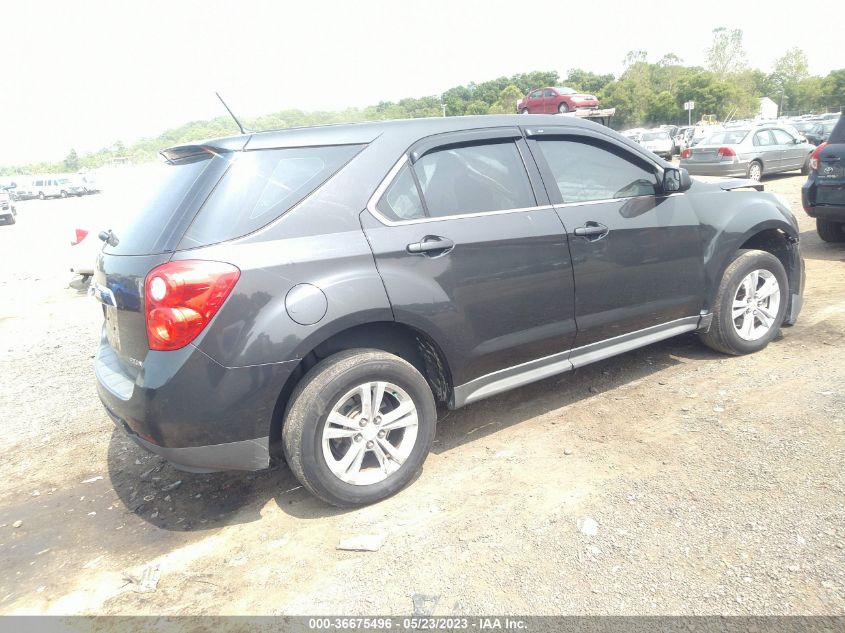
point(328, 287)
point(823, 195)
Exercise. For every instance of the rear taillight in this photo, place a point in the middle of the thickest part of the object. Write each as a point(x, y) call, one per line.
point(181, 298)
point(686, 152)
point(814, 157)
point(78, 236)
point(726, 151)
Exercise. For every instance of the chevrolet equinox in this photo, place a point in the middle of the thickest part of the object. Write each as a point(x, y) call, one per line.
point(327, 288)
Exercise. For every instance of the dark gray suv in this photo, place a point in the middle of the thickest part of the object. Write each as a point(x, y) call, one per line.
point(329, 287)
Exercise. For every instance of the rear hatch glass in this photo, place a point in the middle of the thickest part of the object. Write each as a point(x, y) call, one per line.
point(157, 202)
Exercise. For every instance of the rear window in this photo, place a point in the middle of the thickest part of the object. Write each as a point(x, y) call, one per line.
point(656, 136)
point(152, 203)
point(731, 137)
point(259, 187)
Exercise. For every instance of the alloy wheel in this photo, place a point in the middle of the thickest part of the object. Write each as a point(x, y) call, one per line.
point(755, 305)
point(370, 432)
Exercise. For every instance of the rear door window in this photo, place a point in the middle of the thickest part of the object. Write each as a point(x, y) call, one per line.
point(474, 179)
point(260, 186)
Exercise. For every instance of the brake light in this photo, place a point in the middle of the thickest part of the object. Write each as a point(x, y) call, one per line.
point(686, 152)
point(814, 157)
point(79, 235)
point(182, 297)
point(726, 151)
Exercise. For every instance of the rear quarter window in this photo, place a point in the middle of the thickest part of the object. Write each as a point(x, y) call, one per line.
point(259, 187)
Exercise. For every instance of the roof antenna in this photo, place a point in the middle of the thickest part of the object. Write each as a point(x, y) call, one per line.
point(238, 123)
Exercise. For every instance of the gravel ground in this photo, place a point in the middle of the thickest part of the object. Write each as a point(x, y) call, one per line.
point(670, 480)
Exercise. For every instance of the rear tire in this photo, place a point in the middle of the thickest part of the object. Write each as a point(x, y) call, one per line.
point(734, 307)
point(41, 196)
point(315, 448)
point(755, 171)
point(830, 231)
point(805, 168)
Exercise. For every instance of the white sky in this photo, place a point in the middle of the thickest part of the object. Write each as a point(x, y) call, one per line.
point(83, 74)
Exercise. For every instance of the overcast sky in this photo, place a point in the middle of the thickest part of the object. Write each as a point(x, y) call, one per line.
point(83, 74)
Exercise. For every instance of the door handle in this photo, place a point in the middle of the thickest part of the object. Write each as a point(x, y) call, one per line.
point(431, 244)
point(591, 230)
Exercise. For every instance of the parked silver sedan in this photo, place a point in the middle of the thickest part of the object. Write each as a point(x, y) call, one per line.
point(748, 151)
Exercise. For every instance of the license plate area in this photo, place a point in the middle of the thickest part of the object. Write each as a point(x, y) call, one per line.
point(112, 330)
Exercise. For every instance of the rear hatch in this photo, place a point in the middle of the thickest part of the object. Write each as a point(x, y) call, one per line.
point(164, 199)
point(203, 195)
point(831, 169)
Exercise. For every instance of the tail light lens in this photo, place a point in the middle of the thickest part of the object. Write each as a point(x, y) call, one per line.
point(814, 157)
point(726, 152)
point(181, 298)
point(78, 236)
point(686, 152)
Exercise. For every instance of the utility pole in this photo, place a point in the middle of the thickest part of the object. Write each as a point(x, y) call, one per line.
point(443, 105)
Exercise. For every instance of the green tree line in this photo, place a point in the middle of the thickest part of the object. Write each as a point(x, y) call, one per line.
point(646, 93)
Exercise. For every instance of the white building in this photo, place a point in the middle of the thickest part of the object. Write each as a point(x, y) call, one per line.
point(768, 109)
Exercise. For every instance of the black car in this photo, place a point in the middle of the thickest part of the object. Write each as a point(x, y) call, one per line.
point(823, 195)
point(329, 287)
point(816, 132)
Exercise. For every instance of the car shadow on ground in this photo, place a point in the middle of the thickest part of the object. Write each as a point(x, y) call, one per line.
point(173, 500)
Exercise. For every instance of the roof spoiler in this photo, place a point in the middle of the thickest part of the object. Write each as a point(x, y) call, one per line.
point(736, 183)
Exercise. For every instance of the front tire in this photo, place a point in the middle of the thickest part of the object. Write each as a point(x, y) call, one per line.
point(563, 107)
point(750, 304)
point(358, 427)
point(830, 231)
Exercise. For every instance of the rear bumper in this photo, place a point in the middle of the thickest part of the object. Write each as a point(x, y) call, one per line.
point(191, 410)
point(243, 455)
point(823, 211)
point(716, 169)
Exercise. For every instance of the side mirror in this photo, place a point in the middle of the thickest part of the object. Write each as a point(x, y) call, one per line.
point(798, 141)
point(676, 180)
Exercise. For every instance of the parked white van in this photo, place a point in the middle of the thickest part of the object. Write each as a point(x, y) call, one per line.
point(54, 187)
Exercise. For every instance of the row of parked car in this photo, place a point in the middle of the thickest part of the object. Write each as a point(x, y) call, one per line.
point(671, 140)
point(43, 187)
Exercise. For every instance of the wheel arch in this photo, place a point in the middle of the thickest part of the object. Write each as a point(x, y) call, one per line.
point(772, 236)
point(407, 342)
